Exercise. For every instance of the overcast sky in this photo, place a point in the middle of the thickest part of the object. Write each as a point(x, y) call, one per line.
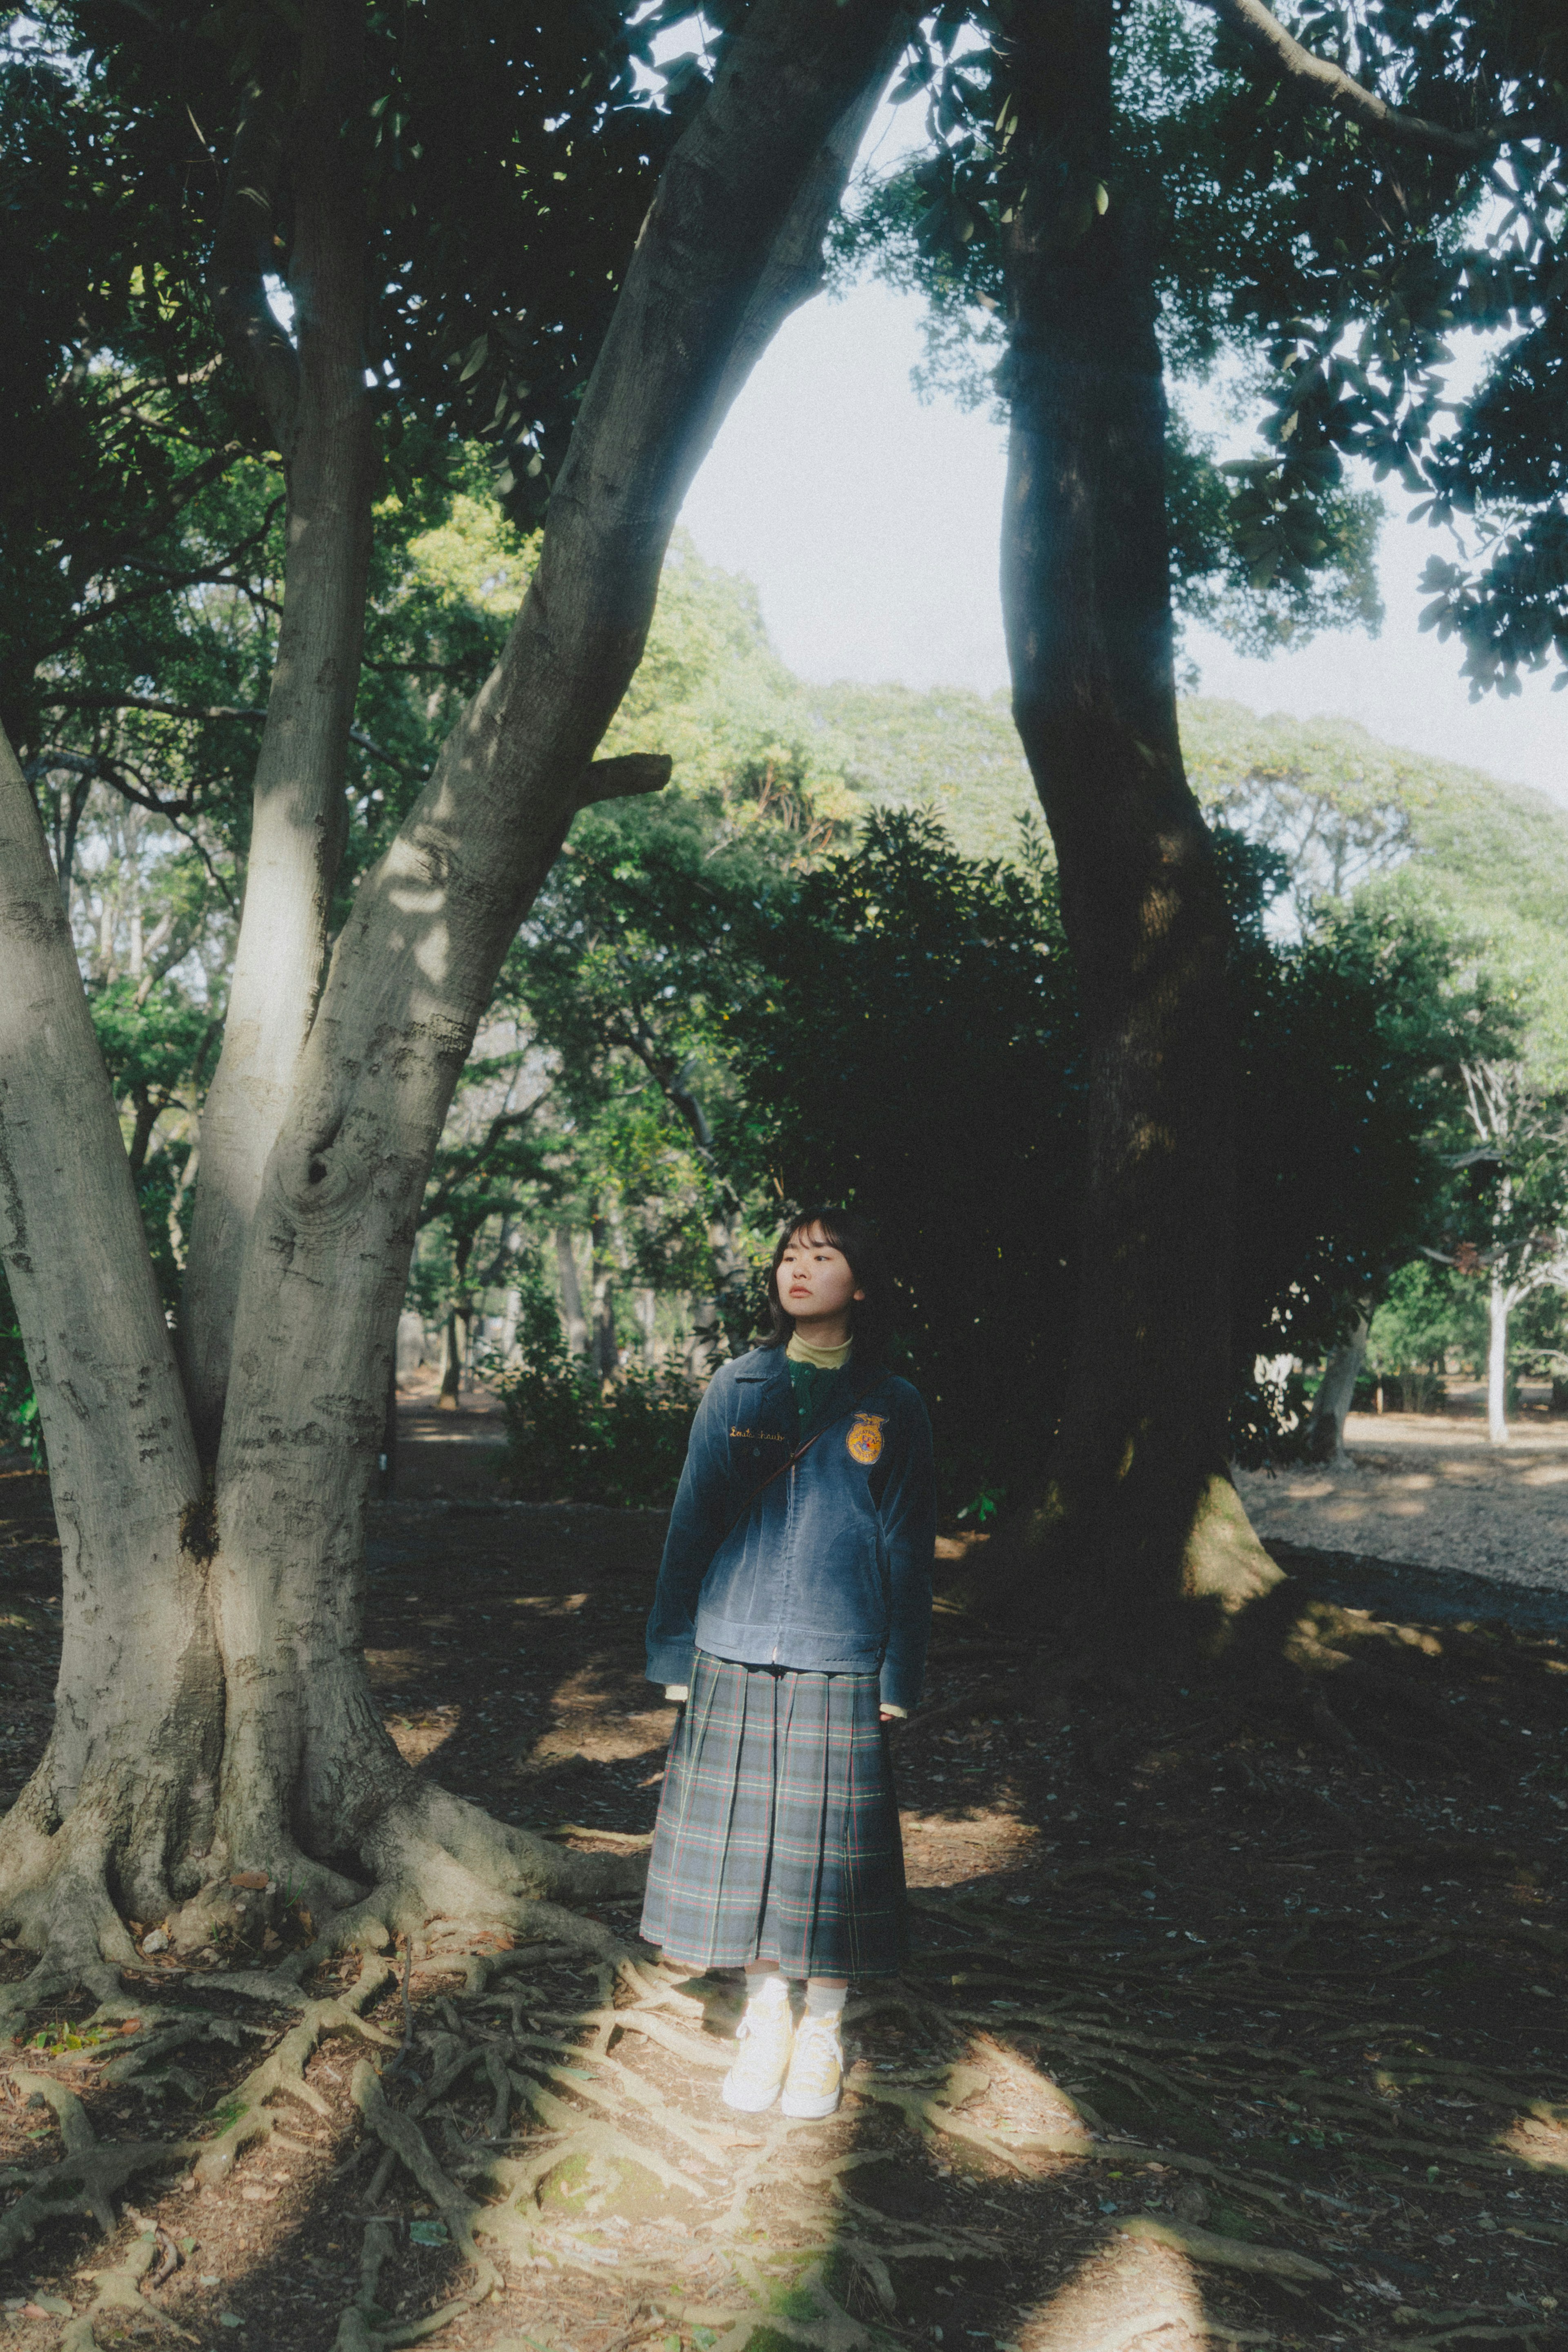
point(869, 524)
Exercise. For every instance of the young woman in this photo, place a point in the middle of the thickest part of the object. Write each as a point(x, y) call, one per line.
point(791, 1617)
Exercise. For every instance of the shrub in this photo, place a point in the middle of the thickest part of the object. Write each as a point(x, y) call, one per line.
point(19, 1406)
point(576, 1438)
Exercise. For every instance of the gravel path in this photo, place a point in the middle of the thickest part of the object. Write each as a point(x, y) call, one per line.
point(1429, 1490)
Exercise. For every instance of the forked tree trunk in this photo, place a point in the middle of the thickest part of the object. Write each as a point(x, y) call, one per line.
point(1137, 1517)
point(214, 1712)
point(314, 392)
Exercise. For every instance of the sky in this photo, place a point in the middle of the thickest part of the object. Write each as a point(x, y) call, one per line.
point(869, 522)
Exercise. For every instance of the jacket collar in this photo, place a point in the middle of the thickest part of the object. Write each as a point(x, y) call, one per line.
point(770, 1366)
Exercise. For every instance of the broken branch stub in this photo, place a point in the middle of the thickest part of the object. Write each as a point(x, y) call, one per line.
point(622, 778)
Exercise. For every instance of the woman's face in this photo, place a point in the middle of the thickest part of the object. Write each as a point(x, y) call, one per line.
point(816, 1281)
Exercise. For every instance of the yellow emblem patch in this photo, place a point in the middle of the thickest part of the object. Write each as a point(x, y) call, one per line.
point(865, 1440)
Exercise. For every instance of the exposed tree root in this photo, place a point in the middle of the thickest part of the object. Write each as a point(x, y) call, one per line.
point(64, 1914)
point(565, 2107)
point(119, 2295)
point(403, 2136)
point(437, 1858)
point(88, 2176)
point(283, 2071)
point(1228, 2253)
point(429, 1856)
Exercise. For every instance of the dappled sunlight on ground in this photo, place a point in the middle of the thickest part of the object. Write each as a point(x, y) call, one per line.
point(1126, 2293)
point(1430, 1490)
point(418, 1737)
point(1222, 2024)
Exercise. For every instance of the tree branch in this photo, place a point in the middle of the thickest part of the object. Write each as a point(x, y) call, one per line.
point(93, 765)
point(473, 1162)
point(76, 1254)
point(84, 699)
point(623, 777)
point(1319, 78)
point(210, 469)
point(604, 779)
point(241, 250)
point(796, 270)
point(417, 958)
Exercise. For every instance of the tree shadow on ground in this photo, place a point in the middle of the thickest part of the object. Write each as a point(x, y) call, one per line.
point(1216, 2027)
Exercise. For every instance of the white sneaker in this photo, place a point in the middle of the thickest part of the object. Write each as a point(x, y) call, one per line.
point(816, 2069)
point(766, 2033)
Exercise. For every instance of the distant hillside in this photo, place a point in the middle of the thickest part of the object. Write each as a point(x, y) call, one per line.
point(1343, 806)
point(1494, 857)
point(951, 749)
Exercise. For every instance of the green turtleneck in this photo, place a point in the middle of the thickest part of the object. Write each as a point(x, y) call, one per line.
point(813, 1375)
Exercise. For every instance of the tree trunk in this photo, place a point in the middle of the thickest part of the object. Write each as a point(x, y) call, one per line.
point(1330, 1406)
point(410, 1344)
point(710, 1337)
point(414, 967)
point(706, 1348)
point(450, 1359)
point(1136, 1519)
point(124, 1792)
point(214, 1715)
point(1500, 1306)
point(605, 1352)
point(315, 396)
point(386, 1463)
point(570, 1292)
point(508, 1340)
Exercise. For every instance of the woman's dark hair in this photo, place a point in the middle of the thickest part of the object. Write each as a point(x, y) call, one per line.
point(871, 1318)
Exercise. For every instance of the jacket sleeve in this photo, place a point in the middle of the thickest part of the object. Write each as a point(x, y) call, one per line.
point(697, 1526)
point(909, 1533)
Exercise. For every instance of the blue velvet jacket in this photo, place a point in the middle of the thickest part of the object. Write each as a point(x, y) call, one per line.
point(829, 1567)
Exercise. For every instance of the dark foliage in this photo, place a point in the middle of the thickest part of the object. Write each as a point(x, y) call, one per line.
point(575, 1438)
point(915, 1046)
point(506, 159)
point(19, 1406)
point(1334, 264)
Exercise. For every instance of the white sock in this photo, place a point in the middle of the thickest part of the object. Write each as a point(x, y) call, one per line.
point(826, 2001)
point(764, 1985)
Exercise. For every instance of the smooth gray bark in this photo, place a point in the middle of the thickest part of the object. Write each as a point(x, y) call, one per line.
point(413, 968)
point(1330, 1406)
point(314, 391)
point(570, 1292)
point(136, 1731)
point(308, 1773)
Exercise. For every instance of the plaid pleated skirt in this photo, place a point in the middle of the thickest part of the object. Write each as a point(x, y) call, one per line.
point(778, 1834)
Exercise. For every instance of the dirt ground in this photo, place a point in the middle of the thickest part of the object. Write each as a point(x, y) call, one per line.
point(1224, 2022)
point(1428, 1489)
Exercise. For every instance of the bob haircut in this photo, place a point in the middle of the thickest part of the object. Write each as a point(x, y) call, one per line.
point(871, 1318)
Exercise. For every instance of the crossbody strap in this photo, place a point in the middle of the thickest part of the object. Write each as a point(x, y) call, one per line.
point(744, 1510)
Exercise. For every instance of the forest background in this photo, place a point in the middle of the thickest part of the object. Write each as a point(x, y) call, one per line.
point(827, 960)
